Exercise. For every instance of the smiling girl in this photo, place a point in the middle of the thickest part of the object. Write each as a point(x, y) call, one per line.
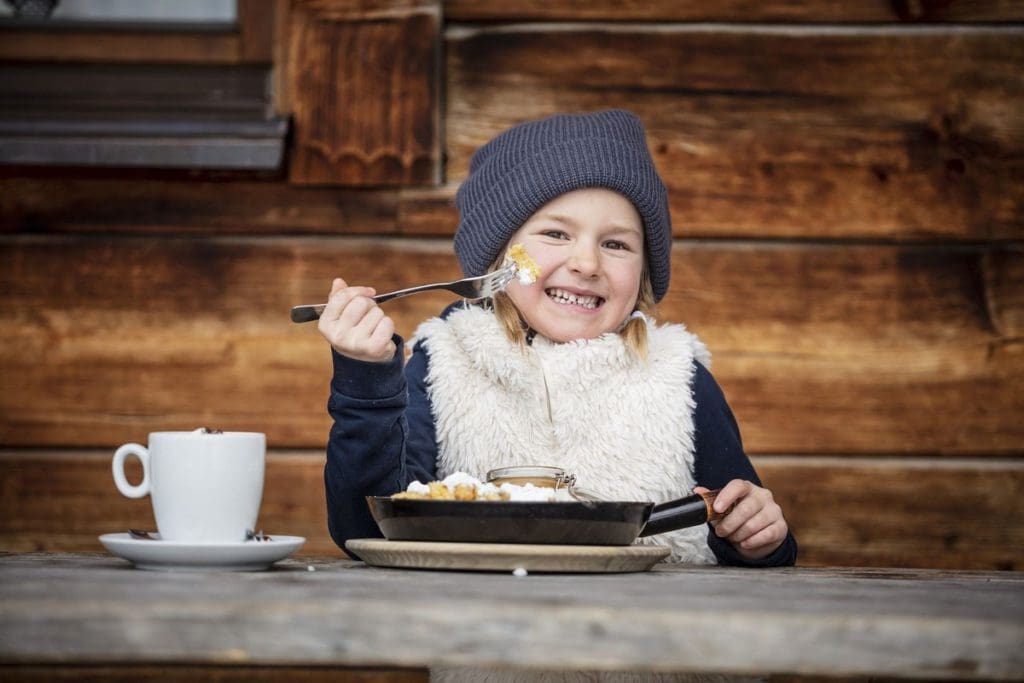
point(571, 371)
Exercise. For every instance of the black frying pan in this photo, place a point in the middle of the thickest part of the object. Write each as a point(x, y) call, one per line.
point(564, 523)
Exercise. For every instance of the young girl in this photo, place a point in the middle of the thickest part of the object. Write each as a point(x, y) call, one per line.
point(571, 371)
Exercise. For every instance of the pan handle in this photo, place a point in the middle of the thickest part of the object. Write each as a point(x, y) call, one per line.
point(682, 512)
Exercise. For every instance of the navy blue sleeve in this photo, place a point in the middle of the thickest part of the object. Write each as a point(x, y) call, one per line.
point(420, 461)
point(720, 459)
point(381, 439)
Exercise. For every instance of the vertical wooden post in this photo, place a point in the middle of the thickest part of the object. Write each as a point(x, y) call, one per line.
point(363, 81)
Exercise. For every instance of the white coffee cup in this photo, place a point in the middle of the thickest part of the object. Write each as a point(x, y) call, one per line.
point(206, 486)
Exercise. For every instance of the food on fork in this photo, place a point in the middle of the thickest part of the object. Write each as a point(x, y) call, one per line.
point(462, 486)
point(526, 269)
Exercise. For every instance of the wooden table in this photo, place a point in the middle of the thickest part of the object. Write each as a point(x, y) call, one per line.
point(902, 623)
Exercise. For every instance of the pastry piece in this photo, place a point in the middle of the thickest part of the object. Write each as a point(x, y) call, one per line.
point(526, 269)
point(462, 486)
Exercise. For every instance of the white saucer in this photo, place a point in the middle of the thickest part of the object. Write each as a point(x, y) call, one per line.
point(159, 555)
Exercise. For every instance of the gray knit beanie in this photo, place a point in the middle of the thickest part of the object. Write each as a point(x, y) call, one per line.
point(530, 164)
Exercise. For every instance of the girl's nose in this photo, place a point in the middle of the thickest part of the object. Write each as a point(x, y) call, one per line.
point(585, 260)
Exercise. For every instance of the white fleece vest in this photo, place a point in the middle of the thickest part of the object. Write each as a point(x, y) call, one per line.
point(623, 426)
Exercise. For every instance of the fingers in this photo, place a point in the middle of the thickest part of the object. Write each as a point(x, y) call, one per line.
point(375, 328)
point(732, 493)
point(355, 325)
point(341, 295)
point(755, 525)
point(762, 526)
point(764, 542)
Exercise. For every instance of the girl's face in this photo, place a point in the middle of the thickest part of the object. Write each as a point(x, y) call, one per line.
point(589, 245)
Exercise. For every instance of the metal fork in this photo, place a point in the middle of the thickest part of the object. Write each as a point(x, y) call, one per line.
point(479, 287)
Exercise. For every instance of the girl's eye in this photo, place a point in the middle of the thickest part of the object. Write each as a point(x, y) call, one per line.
point(616, 245)
point(554, 234)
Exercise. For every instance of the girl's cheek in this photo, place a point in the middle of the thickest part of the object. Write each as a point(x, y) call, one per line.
point(545, 259)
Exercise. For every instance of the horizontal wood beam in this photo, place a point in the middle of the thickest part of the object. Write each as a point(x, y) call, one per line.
point(98, 46)
point(741, 11)
point(135, 673)
point(820, 348)
point(36, 203)
point(846, 511)
point(139, 207)
point(901, 511)
point(867, 132)
point(127, 673)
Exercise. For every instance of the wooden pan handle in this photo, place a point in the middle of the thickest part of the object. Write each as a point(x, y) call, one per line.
point(709, 499)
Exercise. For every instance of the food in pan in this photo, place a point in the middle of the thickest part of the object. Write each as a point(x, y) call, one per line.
point(462, 486)
point(526, 268)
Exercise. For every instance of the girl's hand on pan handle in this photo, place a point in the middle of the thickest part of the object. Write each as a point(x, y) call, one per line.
point(755, 525)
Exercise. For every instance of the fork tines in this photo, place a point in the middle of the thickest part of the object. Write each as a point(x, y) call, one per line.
point(498, 280)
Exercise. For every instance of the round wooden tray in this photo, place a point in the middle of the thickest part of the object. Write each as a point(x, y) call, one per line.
point(507, 556)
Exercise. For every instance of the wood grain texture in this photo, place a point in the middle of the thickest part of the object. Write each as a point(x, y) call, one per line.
point(907, 623)
point(365, 92)
point(82, 502)
point(276, 674)
point(799, 131)
point(820, 348)
point(39, 204)
point(127, 673)
point(844, 511)
point(740, 11)
point(113, 673)
point(901, 512)
point(879, 351)
point(257, 23)
point(104, 46)
point(803, 338)
point(235, 207)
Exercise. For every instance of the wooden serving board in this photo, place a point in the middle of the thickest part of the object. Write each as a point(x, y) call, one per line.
point(507, 556)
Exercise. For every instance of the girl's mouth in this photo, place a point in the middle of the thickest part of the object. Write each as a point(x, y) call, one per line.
point(561, 296)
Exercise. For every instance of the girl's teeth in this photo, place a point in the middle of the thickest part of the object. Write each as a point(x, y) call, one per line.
point(563, 297)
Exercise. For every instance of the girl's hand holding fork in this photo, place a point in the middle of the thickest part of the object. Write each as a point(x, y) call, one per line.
point(355, 326)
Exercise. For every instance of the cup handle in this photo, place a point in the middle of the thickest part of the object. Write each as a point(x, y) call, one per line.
point(142, 453)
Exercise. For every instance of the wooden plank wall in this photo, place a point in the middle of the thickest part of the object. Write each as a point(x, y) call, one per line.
point(847, 196)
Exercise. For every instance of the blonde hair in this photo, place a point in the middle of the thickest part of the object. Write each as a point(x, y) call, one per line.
point(634, 332)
